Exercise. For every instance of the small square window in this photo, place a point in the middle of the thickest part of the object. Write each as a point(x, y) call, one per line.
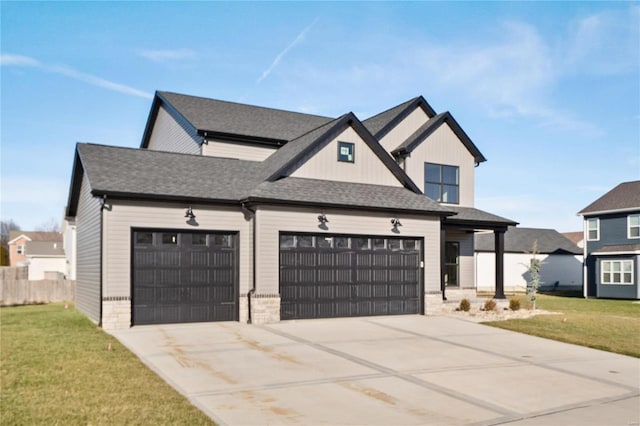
point(305, 241)
point(378, 243)
point(341, 242)
point(361, 243)
point(287, 241)
point(394, 244)
point(325, 242)
point(409, 244)
point(346, 152)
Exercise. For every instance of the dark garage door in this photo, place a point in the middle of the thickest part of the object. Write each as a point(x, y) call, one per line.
point(184, 277)
point(324, 276)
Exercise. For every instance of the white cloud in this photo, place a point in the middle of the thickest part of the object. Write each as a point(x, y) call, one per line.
point(168, 54)
point(278, 58)
point(22, 61)
point(18, 60)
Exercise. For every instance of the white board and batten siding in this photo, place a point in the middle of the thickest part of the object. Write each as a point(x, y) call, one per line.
point(270, 221)
point(170, 134)
point(123, 216)
point(88, 238)
point(566, 269)
point(240, 151)
point(444, 147)
point(404, 129)
point(366, 168)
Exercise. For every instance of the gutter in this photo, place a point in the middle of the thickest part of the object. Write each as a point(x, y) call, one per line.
point(252, 291)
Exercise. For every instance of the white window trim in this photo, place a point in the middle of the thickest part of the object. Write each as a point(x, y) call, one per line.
point(597, 238)
point(20, 249)
point(629, 227)
point(622, 262)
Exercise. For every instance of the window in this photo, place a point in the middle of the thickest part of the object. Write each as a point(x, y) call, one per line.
point(169, 238)
point(442, 183)
point(616, 271)
point(346, 152)
point(21, 249)
point(144, 238)
point(199, 239)
point(593, 229)
point(633, 226)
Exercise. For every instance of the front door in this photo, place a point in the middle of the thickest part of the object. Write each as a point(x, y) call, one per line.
point(451, 263)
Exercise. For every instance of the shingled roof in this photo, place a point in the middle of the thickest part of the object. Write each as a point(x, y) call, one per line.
point(520, 240)
point(431, 126)
point(214, 117)
point(381, 124)
point(623, 197)
point(475, 217)
point(146, 174)
point(36, 235)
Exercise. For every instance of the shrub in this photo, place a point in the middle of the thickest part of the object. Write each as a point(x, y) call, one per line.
point(490, 305)
point(465, 305)
point(514, 304)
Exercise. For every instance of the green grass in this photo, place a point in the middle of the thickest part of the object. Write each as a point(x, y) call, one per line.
point(55, 368)
point(610, 325)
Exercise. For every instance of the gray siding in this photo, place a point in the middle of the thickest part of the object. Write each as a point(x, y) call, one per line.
point(613, 231)
point(88, 253)
point(467, 273)
point(226, 149)
point(619, 291)
point(173, 134)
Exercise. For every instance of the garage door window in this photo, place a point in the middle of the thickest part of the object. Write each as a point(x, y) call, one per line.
point(378, 243)
point(169, 238)
point(341, 242)
point(287, 241)
point(144, 238)
point(325, 242)
point(224, 241)
point(305, 241)
point(199, 240)
point(361, 243)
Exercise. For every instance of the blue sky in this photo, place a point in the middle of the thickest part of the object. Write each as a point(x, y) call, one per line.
point(549, 91)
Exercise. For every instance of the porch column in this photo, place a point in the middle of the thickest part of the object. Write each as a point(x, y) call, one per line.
point(499, 250)
point(442, 263)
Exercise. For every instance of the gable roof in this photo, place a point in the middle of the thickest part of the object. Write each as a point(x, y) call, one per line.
point(520, 240)
point(166, 176)
point(624, 197)
point(230, 120)
point(381, 124)
point(35, 236)
point(288, 158)
point(431, 126)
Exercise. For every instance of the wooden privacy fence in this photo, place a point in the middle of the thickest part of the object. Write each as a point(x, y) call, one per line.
point(16, 289)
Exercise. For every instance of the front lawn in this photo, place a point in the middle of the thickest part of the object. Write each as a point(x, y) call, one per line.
point(610, 325)
point(57, 367)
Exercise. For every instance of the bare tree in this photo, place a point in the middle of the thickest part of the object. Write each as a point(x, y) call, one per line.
point(6, 226)
point(51, 225)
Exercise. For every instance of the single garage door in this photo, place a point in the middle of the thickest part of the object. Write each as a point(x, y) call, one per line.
point(324, 276)
point(184, 276)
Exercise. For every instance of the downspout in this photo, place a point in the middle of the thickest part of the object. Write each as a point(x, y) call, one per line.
point(251, 292)
point(102, 201)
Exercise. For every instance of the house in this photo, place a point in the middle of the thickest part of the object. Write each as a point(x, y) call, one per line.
point(561, 259)
point(18, 241)
point(234, 212)
point(577, 237)
point(612, 243)
point(40, 251)
point(46, 260)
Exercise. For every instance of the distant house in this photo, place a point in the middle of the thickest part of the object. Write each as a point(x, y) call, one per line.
point(576, 237)
point(612, 243)
point(46, 260)
point(561, 259)
point(19, 239)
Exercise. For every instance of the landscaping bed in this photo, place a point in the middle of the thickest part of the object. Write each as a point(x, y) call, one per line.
point(57, 367)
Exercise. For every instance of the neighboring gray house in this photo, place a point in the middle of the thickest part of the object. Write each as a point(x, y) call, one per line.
point(561, 259)
point(612, 243)
point(237, 212)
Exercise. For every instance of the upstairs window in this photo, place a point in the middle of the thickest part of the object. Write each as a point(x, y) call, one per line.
point(633, 226)
point(442, 183)
point(20, 249)
point(346, 152)
point(593, 229)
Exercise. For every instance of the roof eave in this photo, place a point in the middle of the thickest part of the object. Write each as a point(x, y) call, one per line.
point(612, 211)
point(126, 195)
point(241, 138)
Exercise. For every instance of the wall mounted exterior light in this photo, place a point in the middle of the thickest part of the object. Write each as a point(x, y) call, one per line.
point(189, 214)
point(323, 219)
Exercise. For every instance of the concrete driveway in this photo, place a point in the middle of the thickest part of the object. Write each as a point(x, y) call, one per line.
point(403, 370)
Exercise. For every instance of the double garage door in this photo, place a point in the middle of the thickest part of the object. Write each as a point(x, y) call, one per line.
point(184, 276)
point(323, 276)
